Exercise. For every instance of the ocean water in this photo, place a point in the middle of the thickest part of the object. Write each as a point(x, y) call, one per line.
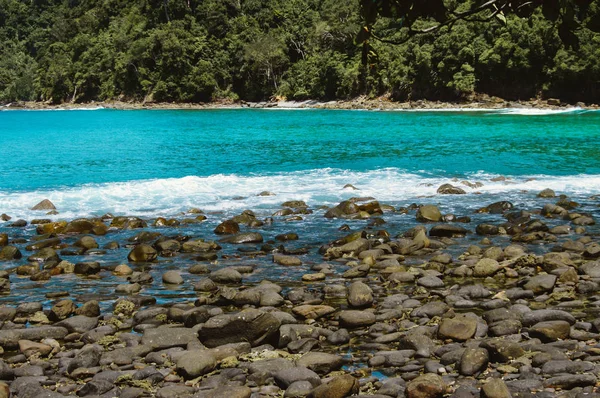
point(151, 163)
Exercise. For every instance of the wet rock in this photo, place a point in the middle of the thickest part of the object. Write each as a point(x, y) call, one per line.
point(142, 253)
point(62, 310)
point(128, 223)
point(40, 244)
point(345, 209)
point(141, 278)
point(283, 259)
point(546, 193)
point(87, 268)
point(168, 247)
point(200, 246)
point(459, 328)
point(3, 240)
point(243, 238)
point(86, 242)
point(227, 275)
point(123, 270)
point(228, 227)
point(426, 386)
point(497, 208)
point(172, 277)
point(487, 229)
point(429, 213)
point(584, 220)
point(8, 253)
point(253, 326)
point(44, 255)
point(448, 231)
point(449, 189)
point(45, 204)
point(287, 237)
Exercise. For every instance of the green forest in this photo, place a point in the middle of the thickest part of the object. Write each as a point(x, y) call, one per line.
point(229, 50)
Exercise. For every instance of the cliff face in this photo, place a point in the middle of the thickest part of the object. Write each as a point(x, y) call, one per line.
point(214, 50)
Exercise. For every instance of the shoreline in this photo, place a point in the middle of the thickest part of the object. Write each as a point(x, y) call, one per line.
point(482, 103)
point(215, 305)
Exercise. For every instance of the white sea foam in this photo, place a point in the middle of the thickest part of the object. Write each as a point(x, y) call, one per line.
point(231, 193)
point(538, 111)
point(83, 108)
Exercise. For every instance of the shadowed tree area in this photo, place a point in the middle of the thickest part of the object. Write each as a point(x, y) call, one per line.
point(214, 50)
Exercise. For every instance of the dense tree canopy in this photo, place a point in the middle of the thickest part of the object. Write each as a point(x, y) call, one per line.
point(207, 50)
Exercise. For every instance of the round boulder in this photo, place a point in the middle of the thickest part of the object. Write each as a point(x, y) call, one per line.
point(142, 254)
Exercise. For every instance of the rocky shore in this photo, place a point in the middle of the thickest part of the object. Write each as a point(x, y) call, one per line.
point(483, 102)
point(498, 303)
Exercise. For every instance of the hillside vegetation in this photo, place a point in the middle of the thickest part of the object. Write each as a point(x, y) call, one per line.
point(212, 50)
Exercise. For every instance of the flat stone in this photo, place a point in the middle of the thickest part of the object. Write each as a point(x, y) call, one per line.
point(253, 326)
point(196, 363)
point(541, 283)
point(166, 337)
point(353, 319)
point(569, 382)
point(320, 362)
point(459, 328)
point(285, 377)
point(309, 311)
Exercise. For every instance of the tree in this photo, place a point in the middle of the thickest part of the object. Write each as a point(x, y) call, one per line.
point(415, 17)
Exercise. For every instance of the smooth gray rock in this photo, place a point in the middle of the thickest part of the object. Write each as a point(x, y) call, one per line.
point(164, 337)
point(285, 377)
point(253, 326)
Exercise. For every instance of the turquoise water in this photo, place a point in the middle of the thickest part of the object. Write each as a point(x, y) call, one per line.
point(165, 160)
point(151, 163)
point(49, 149)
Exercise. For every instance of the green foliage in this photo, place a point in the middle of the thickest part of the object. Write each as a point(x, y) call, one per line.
point(227, 50)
